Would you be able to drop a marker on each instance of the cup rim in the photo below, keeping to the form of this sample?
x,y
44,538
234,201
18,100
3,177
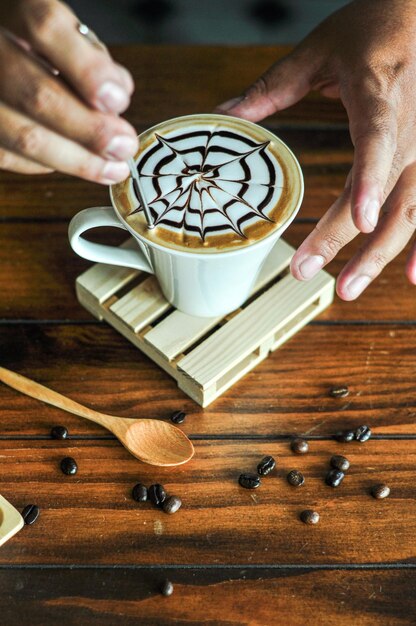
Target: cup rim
x,y
227,253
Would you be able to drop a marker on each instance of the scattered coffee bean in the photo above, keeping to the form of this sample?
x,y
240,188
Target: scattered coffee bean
x,y
69,466
363,433
178,417
339,391
172,504
156,494
139,492
299,446
340,462
59,432
166,588
30,513
295,478
249,481
309,517
266,465
380,491
345,436
334,478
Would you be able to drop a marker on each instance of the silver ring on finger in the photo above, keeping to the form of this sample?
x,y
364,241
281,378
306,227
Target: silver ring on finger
x,y
89,34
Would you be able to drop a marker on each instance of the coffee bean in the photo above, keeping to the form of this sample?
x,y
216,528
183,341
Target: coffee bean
x,y
334,478
299,446
69,466
380,491
339,462
59,432
178,417
363,433
249,481
309,517
345,436
139,493
339,391
166,589
30,513
156,494
295,478
172,504
266,465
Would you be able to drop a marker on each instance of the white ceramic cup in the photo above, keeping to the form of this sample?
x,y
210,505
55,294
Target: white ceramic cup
x,y
201,284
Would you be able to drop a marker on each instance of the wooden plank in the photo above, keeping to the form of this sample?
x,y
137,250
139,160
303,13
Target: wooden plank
x,y
10,521
219,521
141,305
245,332
208,75
44,271
178,331
115,597
286,394
102,283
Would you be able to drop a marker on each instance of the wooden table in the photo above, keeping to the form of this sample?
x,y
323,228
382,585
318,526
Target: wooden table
x,y
234,556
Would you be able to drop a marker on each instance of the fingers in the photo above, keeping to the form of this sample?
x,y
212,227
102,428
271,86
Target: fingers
x,y
336,229
24,137
411,265
30,89
394,231
332,233
51,29
373,127
14,163
283,84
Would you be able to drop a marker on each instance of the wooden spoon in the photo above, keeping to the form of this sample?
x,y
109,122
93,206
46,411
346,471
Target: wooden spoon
x,y
152,441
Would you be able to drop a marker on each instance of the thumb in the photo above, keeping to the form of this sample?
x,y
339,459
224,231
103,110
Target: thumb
x,y
283,84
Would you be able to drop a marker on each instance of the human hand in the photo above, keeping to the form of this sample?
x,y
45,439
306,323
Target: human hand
x,y
364,54
69,122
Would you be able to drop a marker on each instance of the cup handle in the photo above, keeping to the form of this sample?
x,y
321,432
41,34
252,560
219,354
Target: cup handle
x,y
103,216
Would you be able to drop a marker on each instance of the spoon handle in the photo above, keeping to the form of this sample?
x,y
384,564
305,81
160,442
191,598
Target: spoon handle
x,y
35,390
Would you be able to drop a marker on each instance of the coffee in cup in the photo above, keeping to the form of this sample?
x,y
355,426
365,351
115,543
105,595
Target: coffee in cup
x,y
212,183
220,190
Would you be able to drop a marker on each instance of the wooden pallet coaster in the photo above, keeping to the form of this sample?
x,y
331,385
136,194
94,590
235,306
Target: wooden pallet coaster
x,y
10,520
206,356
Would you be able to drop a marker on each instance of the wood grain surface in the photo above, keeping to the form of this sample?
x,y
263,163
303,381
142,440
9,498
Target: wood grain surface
x,y
241,596
235,556
287,394
180,80
219,521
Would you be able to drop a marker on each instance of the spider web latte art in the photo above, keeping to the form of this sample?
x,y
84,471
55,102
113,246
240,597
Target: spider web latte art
x,y
207,181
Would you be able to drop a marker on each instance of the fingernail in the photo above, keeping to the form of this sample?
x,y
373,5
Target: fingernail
x,y
357,285
121,147
230,104
371,212
114,172
311,266
112,97
127,77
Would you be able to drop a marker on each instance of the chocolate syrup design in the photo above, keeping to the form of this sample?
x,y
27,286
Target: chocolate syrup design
x,y
208,181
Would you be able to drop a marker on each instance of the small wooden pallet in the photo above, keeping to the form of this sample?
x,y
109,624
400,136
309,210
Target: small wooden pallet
x,y
206,355
10,520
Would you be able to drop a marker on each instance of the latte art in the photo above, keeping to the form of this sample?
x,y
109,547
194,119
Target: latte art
x,y
209,184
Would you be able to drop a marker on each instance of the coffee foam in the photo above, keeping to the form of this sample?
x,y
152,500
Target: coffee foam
x,y
212,182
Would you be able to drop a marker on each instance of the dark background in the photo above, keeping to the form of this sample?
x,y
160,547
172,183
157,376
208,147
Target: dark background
x,y
203,21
